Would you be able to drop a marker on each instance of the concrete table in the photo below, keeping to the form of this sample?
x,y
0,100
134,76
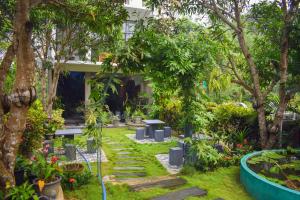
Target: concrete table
x,y
153,125
69,133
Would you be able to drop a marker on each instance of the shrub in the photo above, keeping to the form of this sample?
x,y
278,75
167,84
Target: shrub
x,y
171,113
233,121
55,122
74,180
35,130
202,155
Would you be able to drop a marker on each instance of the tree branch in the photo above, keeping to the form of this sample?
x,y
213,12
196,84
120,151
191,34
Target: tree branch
x,y
5,65
239,80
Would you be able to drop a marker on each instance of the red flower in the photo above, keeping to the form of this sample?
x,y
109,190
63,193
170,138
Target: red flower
x,y
239,146
72,180
54,159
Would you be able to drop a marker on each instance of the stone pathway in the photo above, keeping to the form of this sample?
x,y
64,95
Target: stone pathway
x,y
128,165
164,160
162,182
182,194
128,168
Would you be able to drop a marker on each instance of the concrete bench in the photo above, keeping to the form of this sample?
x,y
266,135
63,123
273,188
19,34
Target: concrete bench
x,y
69,133
176,156
140,133
159,135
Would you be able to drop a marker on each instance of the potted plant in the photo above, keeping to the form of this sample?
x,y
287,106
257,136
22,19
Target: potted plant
x,y
20,168
73,168
138,115
115,120
48,175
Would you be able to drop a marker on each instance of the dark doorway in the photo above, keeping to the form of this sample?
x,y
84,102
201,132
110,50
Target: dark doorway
x,y
127,93
70,90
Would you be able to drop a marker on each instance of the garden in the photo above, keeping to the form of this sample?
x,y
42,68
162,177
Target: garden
x,y
200,102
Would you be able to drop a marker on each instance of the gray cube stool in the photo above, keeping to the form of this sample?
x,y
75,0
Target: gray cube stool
x,y
91,145
167,131
70,151
159,135
176,156
140,133
50,144
147,130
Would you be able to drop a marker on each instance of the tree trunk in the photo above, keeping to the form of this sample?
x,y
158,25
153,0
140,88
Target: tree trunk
x,y
53,88
43,77
11,136
263,131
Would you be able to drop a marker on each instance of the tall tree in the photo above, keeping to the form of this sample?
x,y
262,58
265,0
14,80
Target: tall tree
x,y
232,14
101,19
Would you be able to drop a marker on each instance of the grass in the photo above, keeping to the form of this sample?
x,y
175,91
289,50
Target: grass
x,y
223,182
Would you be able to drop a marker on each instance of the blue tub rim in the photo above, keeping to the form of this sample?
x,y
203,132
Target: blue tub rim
x,y
245,167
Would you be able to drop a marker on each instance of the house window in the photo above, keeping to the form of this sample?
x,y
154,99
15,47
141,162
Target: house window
x,y
128,28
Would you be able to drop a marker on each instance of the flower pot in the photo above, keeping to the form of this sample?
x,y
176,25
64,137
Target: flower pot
x,y
52,190
19,177
138,120
115,122
73,168
49,136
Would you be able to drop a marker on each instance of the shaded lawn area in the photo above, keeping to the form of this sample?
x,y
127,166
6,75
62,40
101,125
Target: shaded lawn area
x,y
223,182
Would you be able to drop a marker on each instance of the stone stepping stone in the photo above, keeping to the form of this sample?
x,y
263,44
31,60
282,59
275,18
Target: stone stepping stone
x,y
113,143
169,183
128,157
122,149
219,199
182,194
129,162
129,168
129,174
124,153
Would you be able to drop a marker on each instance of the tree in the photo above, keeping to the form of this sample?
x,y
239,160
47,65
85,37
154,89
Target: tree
x,y
174,55
21,49
232,14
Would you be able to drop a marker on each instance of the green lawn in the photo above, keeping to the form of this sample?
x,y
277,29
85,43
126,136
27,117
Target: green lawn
x,y
223,182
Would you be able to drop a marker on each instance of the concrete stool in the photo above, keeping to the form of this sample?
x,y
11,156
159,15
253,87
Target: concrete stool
x,y
182,145
167,131
70,151
50,144
176,156
91,145
147,130
140,133
159,135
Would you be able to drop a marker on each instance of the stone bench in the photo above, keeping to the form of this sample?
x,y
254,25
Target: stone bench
x,y
176,156
140,133
70,152
167,131
159,135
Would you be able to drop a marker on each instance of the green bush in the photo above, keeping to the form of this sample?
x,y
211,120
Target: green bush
x,y
233,121
55,122
35,130
171,113
73,180
203,156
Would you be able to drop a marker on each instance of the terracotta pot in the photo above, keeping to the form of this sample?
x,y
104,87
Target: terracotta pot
x,y
73,167
52,190
138,120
